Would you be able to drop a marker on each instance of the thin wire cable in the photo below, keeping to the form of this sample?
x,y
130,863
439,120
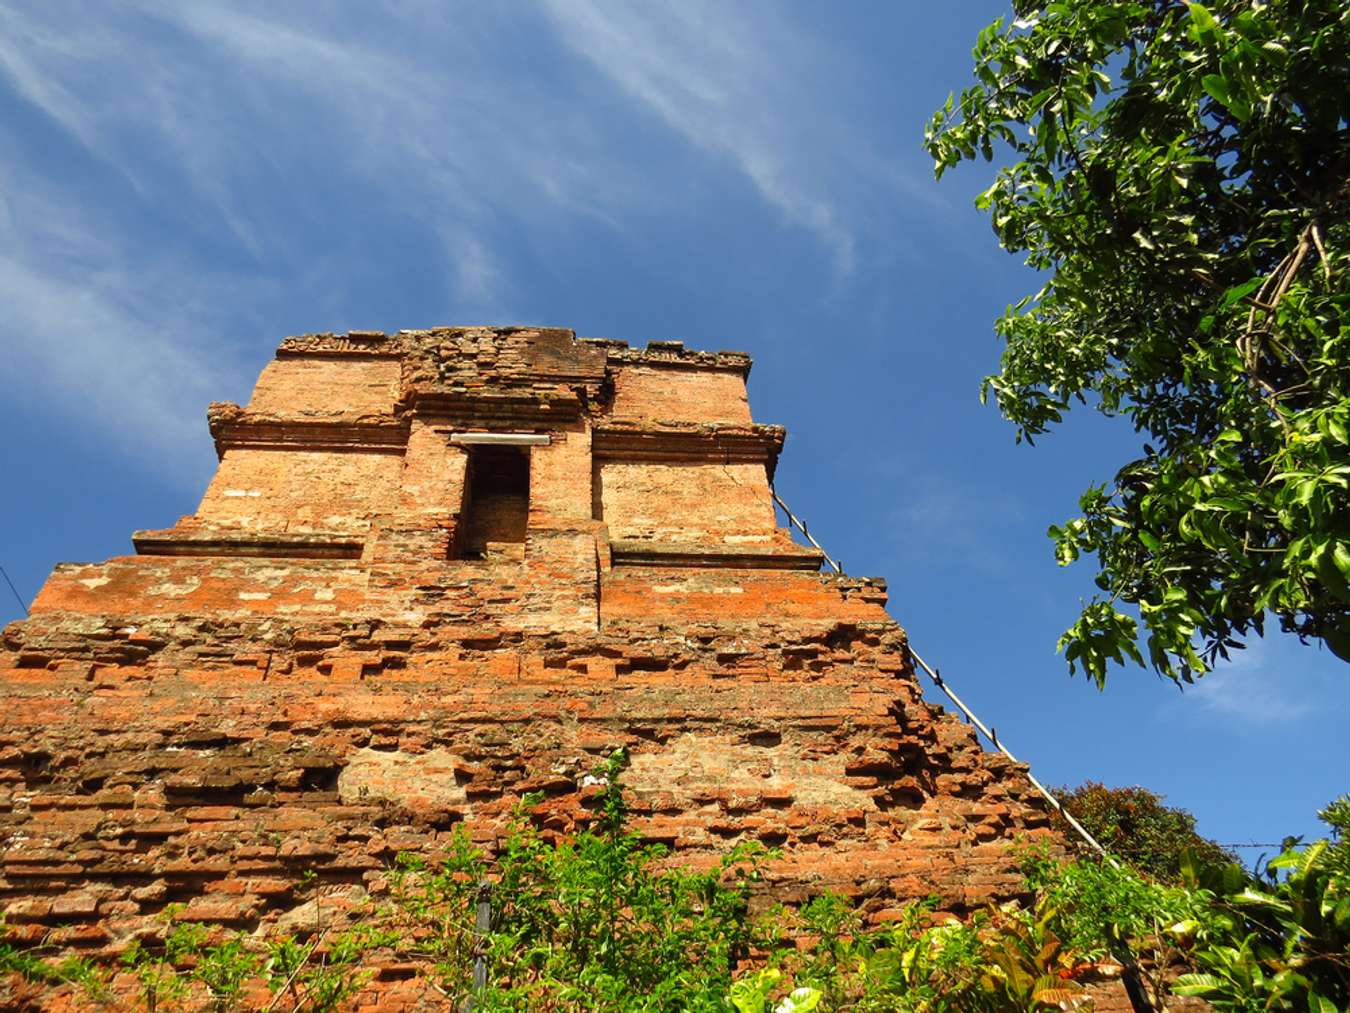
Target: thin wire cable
x,y
989,733
801,526
992,736
1252,845
14,590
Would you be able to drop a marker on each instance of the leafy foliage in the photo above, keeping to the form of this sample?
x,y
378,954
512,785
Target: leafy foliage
x,y
1284,944
1281,942
601,922
1000,958
1181,173
194,967
73,970
594,923
752,994
1102,909
1134,824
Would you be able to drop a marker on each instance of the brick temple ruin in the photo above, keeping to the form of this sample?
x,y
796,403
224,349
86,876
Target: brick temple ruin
x,y
437,570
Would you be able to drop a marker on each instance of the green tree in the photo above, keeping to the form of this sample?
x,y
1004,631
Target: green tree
x,y
1134,824
598,922
1279,944
1180,174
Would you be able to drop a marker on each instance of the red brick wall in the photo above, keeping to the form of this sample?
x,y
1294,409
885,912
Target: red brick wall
x,y
686,395
678,502
299,490
327,385
560,480
201,727
136,586
431,487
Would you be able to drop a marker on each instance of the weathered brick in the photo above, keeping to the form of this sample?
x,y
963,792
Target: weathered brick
x,y
306,674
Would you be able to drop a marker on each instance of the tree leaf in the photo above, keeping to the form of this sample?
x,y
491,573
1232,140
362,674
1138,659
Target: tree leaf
x,y
1216,86
1158,211
1202,18
1239,292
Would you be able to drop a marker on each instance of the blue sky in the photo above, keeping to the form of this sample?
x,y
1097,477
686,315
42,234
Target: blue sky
x,y
181,185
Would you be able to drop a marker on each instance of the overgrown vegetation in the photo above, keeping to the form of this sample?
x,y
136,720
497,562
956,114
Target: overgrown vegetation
x,y
1134,825
1178,172
601,922
591,923
1284,943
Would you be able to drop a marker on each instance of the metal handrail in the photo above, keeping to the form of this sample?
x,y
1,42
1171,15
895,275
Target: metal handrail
x,y
989,733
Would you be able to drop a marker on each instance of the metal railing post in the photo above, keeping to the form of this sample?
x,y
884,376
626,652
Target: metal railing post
x,y
482,926
989,733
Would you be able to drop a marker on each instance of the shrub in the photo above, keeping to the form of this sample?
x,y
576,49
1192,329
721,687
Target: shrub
x,y
593,923
602,922
1284,943
1134,824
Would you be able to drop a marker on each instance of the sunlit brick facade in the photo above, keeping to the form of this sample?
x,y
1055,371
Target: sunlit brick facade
x,y
437,570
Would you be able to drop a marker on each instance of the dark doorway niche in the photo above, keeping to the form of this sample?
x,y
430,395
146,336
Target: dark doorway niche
x,y
496,502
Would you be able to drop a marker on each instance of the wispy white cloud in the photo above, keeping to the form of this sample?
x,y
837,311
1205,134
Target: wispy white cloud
x,y
739,82
227,147
114,337
23,42
129,336
216,104
1259,686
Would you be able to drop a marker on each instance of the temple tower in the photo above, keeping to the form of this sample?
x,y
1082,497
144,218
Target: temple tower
x,y
437,570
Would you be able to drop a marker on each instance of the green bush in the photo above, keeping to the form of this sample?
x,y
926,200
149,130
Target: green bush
x,y
593,923
1134,824
1102,909
1282,944
603,922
